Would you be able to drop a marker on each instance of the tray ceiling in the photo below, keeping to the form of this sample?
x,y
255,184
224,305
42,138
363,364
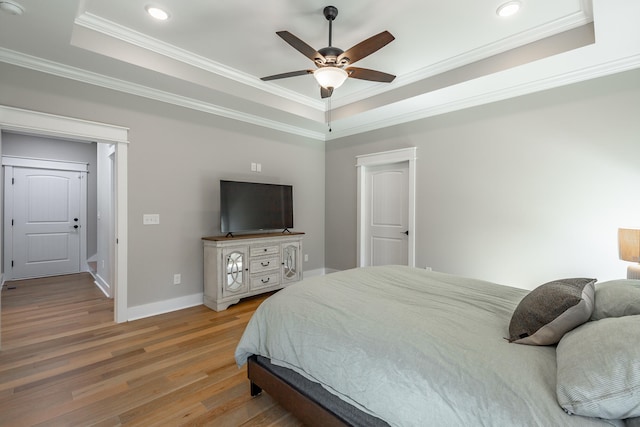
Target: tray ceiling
x,y
210,55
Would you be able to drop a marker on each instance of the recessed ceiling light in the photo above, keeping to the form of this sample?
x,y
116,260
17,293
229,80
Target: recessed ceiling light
x,y
157,13
509,8
11,8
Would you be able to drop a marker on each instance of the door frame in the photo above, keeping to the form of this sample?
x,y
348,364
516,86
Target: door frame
x,y
10,163
51,125
365,161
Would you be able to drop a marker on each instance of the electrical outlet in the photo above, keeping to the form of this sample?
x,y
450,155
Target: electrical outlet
x,y
177,278
306,257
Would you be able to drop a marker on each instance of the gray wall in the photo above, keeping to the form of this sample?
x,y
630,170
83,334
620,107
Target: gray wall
x,y
518,192
57,149
176,157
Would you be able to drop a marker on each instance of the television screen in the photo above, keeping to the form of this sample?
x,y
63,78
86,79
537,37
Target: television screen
x,y
252,206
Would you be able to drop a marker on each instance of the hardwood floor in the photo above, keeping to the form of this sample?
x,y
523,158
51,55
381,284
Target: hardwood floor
x,y
65,362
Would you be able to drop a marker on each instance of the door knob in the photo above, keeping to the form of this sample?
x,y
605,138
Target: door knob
x,y
406,232
75,219
76,226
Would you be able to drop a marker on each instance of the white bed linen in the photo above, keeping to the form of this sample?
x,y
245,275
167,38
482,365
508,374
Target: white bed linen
x,y
412,347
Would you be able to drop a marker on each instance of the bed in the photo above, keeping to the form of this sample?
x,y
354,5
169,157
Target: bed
x,y
402,346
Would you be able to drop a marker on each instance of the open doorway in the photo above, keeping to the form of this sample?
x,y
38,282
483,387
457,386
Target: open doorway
x,y
114,140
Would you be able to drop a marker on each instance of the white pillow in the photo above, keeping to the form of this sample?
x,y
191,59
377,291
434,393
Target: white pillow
x,y
599,369
616,298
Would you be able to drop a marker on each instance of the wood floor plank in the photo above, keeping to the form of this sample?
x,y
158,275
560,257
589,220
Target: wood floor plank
x,y
65,362
187,397
275,414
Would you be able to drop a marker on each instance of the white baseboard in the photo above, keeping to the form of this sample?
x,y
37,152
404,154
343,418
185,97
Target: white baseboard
x,y
166,306
318,272
101,284
311,273
161,307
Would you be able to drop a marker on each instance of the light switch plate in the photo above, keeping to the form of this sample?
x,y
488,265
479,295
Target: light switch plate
x,y
151,219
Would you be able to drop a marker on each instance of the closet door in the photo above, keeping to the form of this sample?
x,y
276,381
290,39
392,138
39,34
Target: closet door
x,y
386,214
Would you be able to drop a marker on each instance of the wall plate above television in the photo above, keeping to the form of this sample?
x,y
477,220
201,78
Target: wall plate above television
x,y
252,206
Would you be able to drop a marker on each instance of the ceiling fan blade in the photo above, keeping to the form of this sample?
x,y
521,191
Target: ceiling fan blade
x,y
366,48
301,46
285,75
325,92
372,75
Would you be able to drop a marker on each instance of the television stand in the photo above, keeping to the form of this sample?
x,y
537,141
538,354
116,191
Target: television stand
x,y
240,266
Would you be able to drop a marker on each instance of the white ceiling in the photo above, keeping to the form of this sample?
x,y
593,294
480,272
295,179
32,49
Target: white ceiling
x,y
210,55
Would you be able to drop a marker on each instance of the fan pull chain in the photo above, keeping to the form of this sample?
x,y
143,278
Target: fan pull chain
x,y
329,113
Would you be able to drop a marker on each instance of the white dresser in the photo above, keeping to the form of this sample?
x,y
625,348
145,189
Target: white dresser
x,y
245,265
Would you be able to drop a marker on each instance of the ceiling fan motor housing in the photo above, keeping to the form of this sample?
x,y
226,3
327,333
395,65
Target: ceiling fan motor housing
x,y
330,54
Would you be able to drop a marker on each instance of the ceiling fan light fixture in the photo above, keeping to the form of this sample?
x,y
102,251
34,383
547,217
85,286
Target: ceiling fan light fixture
x,y
330,77
157,13
509,8
11,8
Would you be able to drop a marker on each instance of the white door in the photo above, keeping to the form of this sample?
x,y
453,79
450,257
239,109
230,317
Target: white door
x,y
387,214
46,220
385,207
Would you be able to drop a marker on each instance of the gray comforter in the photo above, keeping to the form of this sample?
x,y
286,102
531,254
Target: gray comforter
x,y
412,347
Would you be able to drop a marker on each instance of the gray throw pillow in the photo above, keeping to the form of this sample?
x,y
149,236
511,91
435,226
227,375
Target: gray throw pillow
x,y
551,310
599,369
617,298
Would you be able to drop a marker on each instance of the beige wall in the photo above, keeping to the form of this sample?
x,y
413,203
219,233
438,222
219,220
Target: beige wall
x,y
518,192
176,157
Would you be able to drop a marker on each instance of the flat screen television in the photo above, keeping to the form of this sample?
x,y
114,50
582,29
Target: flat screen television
x,y
252,206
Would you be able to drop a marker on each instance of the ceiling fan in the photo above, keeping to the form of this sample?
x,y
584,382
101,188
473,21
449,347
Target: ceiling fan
x,y
333,64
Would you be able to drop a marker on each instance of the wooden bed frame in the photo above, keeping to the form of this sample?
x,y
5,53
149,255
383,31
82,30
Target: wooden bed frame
x,y
303,406
306,400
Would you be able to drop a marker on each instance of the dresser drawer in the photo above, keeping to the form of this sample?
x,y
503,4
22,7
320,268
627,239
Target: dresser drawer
x,y
264,280
264,264
264,250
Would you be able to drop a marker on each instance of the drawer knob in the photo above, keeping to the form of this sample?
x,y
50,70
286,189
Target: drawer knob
x,y
265,280
265,265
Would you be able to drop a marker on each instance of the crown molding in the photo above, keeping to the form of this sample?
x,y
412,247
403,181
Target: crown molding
x,y
566,23
77,74
127,35
617,65
60,70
